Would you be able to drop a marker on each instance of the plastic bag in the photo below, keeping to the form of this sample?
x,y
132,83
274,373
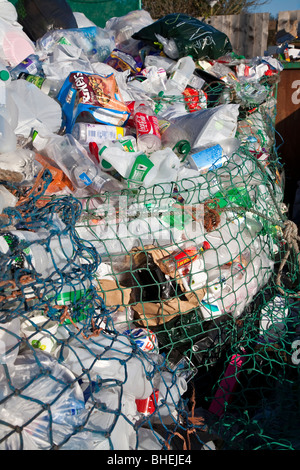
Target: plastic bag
x,y
38,17
123,27
15,45
95,95
93,41
35,109
182,35
209,125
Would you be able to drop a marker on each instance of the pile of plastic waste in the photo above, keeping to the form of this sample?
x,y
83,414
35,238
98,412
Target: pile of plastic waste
x,y
141,209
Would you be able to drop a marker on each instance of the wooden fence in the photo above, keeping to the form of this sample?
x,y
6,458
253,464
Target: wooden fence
x,y
249,33
289,21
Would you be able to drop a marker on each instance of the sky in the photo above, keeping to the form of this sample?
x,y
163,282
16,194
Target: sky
x,y
275,6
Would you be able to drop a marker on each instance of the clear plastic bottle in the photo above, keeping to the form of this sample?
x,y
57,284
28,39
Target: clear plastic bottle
x,y
31,65
44,262
49,86
176,138
180,76
85,132
147,128
74,161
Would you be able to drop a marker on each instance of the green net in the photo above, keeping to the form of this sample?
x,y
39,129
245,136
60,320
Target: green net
x,y
156,318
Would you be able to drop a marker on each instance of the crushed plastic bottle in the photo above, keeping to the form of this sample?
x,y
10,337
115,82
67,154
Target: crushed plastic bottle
x,y
32,65
147,128
75,162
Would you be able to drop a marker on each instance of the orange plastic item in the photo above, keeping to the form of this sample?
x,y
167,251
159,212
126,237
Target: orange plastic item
x,y
60,181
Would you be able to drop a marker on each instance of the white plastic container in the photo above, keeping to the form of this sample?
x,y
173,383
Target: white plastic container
x,y
147,128
160,61
166,167
132,166
179,78
197,277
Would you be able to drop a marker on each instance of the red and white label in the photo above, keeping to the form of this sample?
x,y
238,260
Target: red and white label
x,y
146,124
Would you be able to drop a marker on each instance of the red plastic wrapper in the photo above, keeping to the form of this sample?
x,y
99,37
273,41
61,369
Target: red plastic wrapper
x,y
195,99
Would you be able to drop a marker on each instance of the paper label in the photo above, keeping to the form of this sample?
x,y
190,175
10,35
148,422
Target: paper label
x,y
84,177
36,80
98,135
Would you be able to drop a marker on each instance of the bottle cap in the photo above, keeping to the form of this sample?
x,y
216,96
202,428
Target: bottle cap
x,y
102,150
183,147
4,75
106,165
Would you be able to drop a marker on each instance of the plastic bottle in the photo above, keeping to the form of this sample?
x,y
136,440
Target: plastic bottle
x,y
176,138
180,76
31,65
85,132
147,128
44,261
5,75
212,155
49,86
9,109
166,167
132,166
72,158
